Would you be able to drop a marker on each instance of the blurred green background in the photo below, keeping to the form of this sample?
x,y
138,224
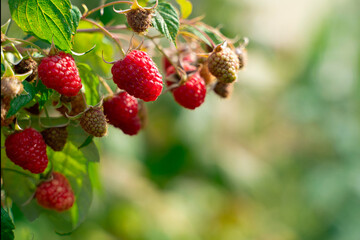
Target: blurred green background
x,y
279,160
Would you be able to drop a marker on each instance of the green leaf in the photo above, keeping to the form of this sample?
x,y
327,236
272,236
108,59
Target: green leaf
x,y
185,8
166,21
7,226
5,26
214,37
91,83
44,94
78,136
47,19
143,2
75,18
22,99
2,69
74,165
88,140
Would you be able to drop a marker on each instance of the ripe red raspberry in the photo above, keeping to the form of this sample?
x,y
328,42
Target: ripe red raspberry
x,y
60,73
192,94
93,121
120,107
138,75
55,194
28,150
55,137
131,127
121,111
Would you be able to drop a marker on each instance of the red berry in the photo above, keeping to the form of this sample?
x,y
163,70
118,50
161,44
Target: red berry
x,y
138,75
60,73
131,127
121,111
28,150
120,107
55,194
192,94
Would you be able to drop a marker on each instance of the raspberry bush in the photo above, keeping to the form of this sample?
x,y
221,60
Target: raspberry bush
x,y
67,79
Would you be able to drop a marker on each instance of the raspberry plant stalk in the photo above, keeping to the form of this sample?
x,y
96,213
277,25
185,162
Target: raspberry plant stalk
x,y
72,75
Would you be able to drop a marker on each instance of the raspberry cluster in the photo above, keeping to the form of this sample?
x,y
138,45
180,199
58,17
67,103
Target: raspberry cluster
x,y
190,75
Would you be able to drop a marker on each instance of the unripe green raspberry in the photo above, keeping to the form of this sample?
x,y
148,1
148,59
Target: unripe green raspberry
x,y
93,121
223,63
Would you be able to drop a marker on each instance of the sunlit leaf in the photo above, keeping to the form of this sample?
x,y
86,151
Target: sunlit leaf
x,y
166,21
48,20
185,8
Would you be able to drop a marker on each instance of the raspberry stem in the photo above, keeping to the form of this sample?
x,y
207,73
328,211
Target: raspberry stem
x,y
217,32
107,87
109,34
206,36
103,6
162,52
109,28
28,43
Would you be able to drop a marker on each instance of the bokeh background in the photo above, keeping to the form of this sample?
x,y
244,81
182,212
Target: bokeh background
x,y
279,160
